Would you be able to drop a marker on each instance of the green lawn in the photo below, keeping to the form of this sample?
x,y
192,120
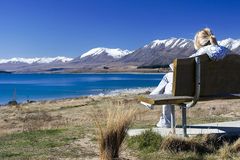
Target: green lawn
x,y
40,144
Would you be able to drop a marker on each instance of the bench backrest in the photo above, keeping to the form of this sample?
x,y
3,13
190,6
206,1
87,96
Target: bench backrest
x,y
217,77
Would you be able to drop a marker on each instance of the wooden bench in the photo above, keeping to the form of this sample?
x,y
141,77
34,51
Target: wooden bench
x,y
199,78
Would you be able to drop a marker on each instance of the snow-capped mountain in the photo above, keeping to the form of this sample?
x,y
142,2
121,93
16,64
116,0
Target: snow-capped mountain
x,y
101,56
115,53
36,60
160,52
170,43
155,54
231,44
26,65
163,52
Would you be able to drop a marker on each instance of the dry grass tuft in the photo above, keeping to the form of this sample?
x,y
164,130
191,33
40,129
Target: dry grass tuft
x,y
112,135
212,141
225,152
229,150
236,146
179,144
215,141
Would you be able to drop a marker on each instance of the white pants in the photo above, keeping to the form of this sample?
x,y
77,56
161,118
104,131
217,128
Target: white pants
x,y
165,87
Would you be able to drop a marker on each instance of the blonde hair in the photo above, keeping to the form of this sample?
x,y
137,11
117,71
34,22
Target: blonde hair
x,y
203,38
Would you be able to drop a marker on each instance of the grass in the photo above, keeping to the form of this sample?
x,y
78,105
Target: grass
x,y
180,144
69,107
150,145
162,155
39,143
236,146
65,129
149,141
207,119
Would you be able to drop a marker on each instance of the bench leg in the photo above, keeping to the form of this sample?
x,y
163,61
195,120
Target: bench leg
x,y
184,120
173,124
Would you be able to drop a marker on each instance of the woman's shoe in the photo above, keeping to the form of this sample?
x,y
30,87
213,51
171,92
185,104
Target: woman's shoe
x,y
163,124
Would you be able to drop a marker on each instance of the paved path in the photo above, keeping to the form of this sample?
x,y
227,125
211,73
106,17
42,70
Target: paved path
x,y
232,127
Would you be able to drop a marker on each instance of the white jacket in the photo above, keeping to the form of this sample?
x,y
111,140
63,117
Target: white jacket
x,y
214,52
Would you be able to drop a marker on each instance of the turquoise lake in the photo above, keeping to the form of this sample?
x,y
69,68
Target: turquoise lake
x,y
23,87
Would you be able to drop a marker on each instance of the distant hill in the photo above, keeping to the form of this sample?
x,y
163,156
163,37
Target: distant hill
x,y
31,64
5,72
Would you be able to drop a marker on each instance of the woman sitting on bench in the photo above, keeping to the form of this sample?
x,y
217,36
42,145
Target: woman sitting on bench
x,y
205,43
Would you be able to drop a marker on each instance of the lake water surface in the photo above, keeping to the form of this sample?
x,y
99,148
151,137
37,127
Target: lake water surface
x,y
23,87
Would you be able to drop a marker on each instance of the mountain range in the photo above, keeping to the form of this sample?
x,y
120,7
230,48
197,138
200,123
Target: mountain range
x,y
158,53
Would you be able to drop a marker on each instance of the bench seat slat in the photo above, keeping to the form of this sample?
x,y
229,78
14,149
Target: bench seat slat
x,y
170,99
165,99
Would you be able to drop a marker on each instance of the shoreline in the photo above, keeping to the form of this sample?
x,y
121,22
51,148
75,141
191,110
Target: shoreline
x,y
72,73
121,82
117,92
95,70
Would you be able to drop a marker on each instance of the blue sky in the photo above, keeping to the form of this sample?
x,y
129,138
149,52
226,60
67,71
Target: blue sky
x,y
43,28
